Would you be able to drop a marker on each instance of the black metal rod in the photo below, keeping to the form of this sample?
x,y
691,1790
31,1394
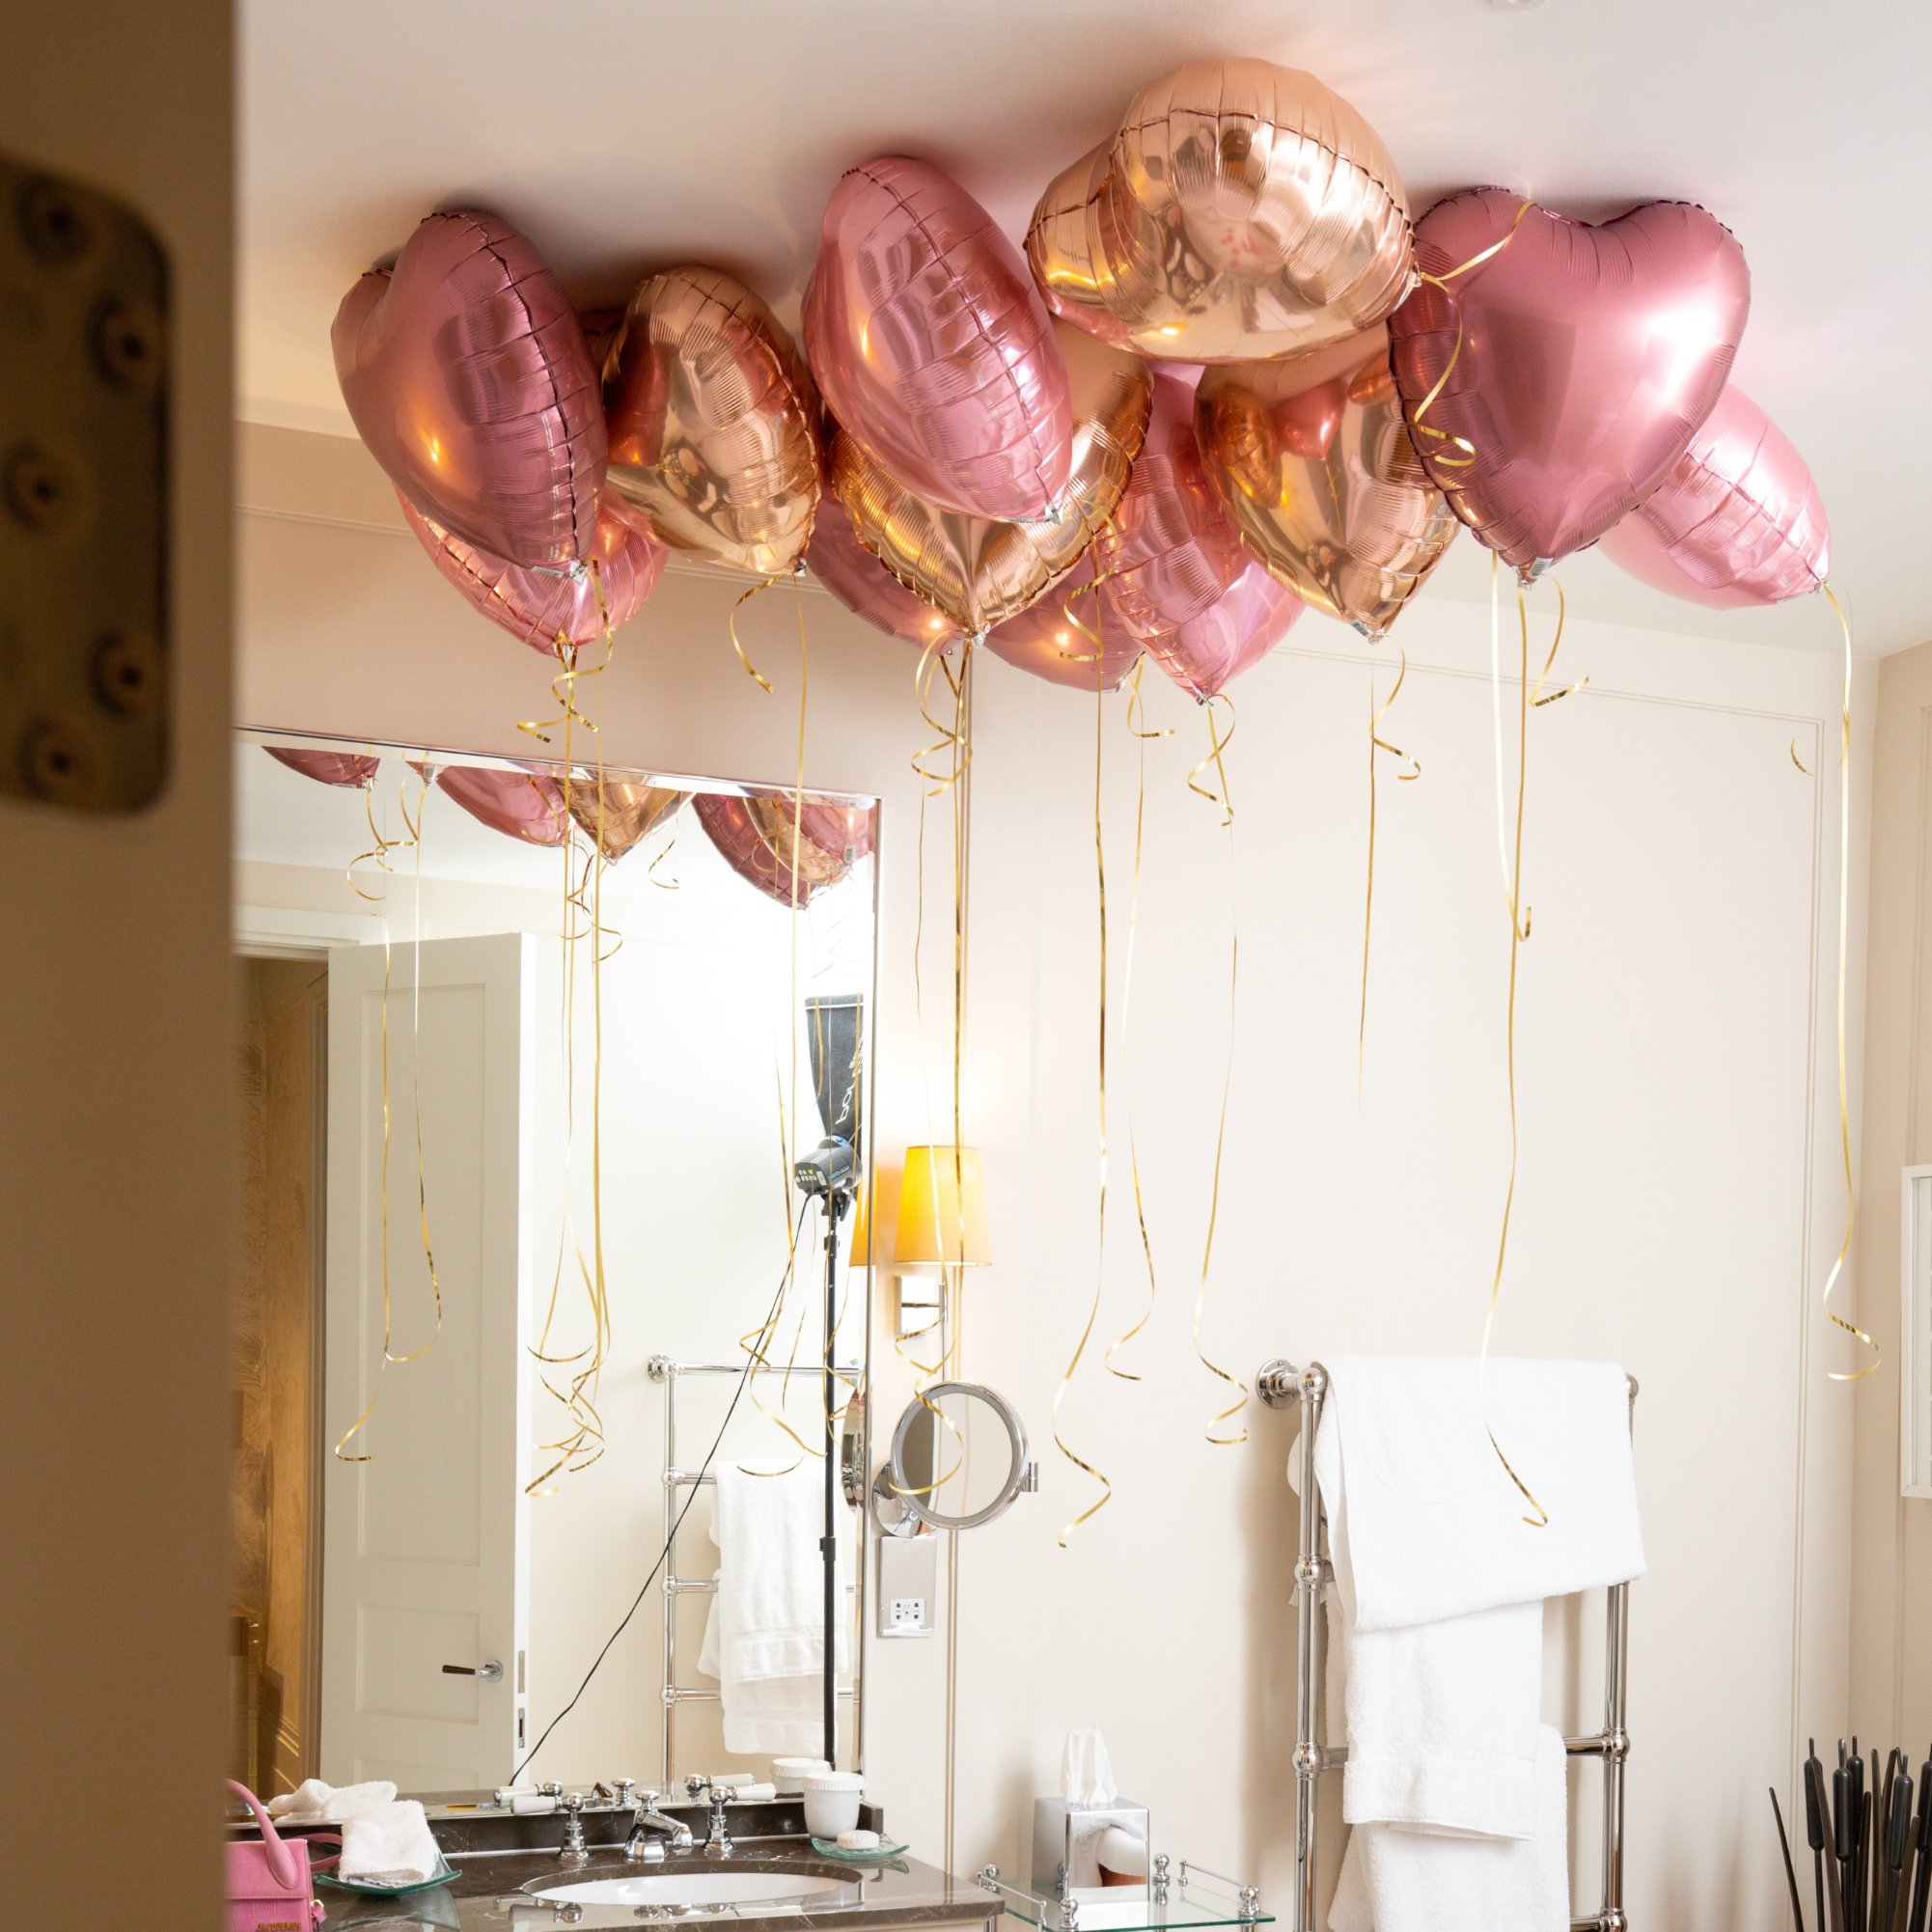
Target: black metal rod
x,y
834,1204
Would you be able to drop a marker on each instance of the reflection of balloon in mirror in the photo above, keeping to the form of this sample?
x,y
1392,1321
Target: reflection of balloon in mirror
x,y
524,805
713,422
756,837
465,372
345,768
1177,577
865,586
932,346
627,812
1312,461
1045,639
978,572
1738,520
1242,210
538,607
1570,370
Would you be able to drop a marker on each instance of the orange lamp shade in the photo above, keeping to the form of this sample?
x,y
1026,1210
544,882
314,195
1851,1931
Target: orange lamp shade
x,y
942,1210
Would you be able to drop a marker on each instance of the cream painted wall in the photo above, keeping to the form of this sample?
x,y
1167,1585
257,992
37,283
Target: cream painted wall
x,y
1891,1650
1679,1200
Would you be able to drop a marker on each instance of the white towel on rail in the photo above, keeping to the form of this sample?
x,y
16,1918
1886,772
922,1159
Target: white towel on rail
x,y
1397,1879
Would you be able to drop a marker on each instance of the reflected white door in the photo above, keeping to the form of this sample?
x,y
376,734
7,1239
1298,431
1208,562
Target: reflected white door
x,y
423,1556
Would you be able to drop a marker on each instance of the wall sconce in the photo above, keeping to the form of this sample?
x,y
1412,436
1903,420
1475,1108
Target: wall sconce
x,y
942,1226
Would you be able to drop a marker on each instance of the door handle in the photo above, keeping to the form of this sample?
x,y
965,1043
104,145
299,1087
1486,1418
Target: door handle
x,y
490,1672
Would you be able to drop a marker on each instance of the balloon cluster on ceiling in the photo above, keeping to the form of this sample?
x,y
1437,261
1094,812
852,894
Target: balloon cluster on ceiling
x,y
1228,378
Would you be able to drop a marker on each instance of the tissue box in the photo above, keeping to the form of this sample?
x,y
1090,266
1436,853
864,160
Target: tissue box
x,y
1067,1845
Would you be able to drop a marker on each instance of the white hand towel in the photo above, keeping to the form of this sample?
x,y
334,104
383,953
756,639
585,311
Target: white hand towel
x,y
1400,1880
765,1638
1435,1525
313,1803
393,1842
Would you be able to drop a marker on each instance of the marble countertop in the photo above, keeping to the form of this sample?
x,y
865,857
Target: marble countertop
x,y
489,1894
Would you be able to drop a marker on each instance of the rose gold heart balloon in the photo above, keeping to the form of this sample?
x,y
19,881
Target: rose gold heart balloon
x,y
753,835
978,573
525,805
1047,640
1241,211
343,769
865,586
1556,370
713,422
1312,463
1176,578
619,811
547,608
1738,520
465,372
932,346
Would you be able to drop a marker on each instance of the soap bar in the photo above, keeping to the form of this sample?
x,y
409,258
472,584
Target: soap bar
x,y
858,1841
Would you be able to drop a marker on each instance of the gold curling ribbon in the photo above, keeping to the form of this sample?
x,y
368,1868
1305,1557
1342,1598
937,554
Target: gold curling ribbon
x,y
1136,727
1378,743
1218,743
1418,422
1844,915
1519,931
751,671
1106,1495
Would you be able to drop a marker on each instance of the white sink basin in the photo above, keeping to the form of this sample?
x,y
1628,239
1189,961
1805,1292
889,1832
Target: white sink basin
x,y
692,1887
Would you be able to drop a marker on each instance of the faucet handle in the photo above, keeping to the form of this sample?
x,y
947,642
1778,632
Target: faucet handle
x,y
697,1785
623,1793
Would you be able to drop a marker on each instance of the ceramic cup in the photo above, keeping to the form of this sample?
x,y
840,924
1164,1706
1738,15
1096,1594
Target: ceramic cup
x,y
787,1774
832,1802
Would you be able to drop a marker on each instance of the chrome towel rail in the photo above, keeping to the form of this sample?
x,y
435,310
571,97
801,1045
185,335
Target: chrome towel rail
x,y
1280,1384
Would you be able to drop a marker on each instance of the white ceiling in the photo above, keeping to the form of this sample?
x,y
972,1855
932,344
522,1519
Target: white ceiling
x,y
623,134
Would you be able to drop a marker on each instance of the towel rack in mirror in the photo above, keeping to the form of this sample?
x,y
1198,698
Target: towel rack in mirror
x,y
1280,1384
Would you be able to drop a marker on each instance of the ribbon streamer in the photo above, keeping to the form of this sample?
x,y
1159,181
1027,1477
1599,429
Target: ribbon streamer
x,y
1418,422
1378,743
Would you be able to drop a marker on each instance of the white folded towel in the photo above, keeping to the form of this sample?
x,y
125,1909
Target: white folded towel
x,y
765,1636
313,1803
1434,1525
393,1843
1395,1879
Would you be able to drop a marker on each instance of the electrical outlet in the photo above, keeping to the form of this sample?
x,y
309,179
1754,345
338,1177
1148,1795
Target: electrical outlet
x,y
908,1586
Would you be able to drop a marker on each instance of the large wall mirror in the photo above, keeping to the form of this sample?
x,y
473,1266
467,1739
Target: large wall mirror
x,y
538,1066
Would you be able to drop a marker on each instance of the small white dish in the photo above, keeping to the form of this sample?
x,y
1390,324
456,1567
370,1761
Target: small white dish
x,y
832,1802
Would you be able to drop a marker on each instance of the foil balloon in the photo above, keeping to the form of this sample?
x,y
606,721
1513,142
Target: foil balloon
x,y
1312,463
932,346
618,812
550,609
1046,640
526,805
465,370
865,586
713,422
977,573
1737,521
1176,578
755,837
1241,211
343,769
1552,384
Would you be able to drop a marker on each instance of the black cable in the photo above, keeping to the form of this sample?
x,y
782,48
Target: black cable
x,y
703,1469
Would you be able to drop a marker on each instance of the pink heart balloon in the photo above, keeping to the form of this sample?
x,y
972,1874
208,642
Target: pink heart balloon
x,y
343,769
526,805
465,370
1175,575
1574,364
1044,639
1738,520
865,586
539,607
755,837
933,348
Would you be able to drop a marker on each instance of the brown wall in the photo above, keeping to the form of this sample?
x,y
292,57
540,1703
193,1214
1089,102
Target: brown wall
x,y
115,1055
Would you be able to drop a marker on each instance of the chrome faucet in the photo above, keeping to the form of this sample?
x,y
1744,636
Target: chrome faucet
x,y
574,1855
642,1847
718,1844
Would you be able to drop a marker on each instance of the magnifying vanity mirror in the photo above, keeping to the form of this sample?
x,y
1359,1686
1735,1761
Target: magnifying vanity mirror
x,y
958,1459
552,1080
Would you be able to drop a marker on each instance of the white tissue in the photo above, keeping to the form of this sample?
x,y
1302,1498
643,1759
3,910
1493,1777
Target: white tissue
x,y
1085,1775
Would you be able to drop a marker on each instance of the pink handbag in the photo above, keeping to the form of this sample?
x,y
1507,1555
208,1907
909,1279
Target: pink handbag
x,y
269,1888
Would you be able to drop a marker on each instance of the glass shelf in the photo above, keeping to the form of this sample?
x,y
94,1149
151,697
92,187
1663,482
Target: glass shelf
x,y
1177,1907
